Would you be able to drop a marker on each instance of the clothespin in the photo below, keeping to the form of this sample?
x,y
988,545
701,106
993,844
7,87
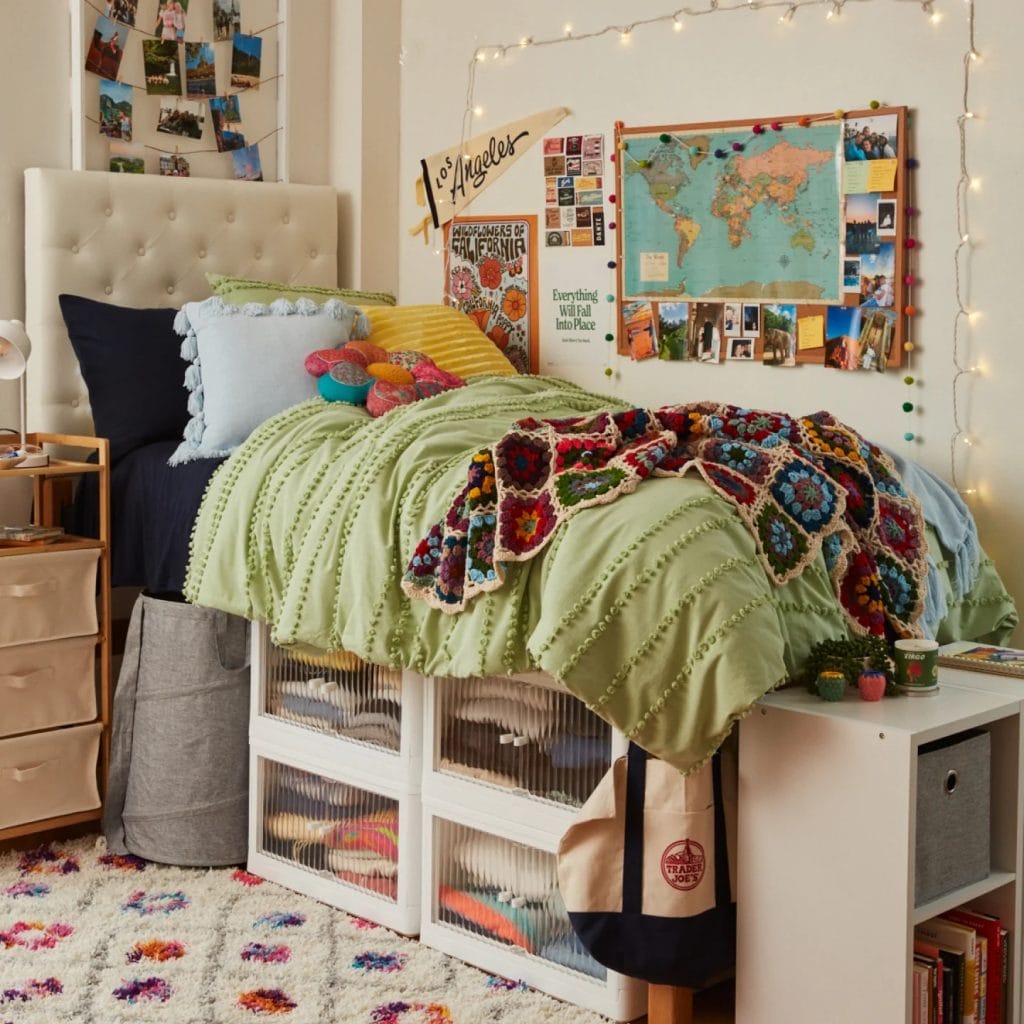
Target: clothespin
x,y
428,221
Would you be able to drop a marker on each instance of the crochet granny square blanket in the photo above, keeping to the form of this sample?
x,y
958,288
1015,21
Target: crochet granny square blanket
x,y
801,486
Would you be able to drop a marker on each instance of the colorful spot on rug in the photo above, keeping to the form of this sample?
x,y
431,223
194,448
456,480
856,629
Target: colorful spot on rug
x,y
506,984
33,935
30,889
31,990
155,949
370,961
266,1001
144,990
243,877
261,954
362,924
392,1013
157,903
280,919
47,861
122,862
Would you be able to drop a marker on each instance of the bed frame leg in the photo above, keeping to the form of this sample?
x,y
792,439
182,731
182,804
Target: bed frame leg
x,y
669,1004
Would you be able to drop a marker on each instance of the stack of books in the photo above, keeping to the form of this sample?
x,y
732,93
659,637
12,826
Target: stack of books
x,y
975,657
961,969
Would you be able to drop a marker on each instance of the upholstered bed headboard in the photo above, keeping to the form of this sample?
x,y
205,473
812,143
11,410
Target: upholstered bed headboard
x,y
144,241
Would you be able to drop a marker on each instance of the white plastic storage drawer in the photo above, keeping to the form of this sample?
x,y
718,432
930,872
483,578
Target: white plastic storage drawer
x,y
47,596
46,685
343,843
494,902
48,774
534,739
337,695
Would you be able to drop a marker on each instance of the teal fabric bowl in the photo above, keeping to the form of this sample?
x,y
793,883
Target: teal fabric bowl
x,y
345,382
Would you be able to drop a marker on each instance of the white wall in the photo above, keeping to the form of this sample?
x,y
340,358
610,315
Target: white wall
x,y
746,64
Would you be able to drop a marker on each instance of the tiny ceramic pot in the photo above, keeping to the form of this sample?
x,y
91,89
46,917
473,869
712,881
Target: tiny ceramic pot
x,y
831,685
871,685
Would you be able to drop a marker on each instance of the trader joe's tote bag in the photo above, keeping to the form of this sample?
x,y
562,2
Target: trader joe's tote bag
x,y
645,870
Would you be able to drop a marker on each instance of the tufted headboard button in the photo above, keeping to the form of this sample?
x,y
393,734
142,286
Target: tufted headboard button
x,y
107,212
108,290
142,250
171,215
231,218
74,403
258,254
170,289
313,254
74,249
202,254
286,219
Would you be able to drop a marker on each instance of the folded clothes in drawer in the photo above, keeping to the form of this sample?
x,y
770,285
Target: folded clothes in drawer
x,y
47,774
330,827
48,595
527,737
505,892
46,685
338,695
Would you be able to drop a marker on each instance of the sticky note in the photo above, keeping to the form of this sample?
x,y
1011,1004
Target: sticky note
x,y
855,177
881,175
810,332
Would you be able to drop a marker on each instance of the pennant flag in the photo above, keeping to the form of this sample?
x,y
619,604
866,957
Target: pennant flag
x,y
455,177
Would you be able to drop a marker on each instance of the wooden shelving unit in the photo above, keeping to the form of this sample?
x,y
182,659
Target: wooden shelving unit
x,y
50,493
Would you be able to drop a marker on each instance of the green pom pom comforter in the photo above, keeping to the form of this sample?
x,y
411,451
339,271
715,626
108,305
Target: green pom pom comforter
x,y
656,609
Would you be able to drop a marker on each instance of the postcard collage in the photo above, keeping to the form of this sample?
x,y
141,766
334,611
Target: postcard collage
x,y
862,331
574,190
184,75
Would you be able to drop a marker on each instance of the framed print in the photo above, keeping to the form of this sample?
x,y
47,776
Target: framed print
x,y
490,274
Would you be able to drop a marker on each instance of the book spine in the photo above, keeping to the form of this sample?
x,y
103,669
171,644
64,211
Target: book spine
x,y
1004,1004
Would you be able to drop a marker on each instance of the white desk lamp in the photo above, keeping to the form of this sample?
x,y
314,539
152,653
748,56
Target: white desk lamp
x,y
15,349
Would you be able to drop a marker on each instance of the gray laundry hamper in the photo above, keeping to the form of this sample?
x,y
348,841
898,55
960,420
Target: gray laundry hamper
x,y
178,784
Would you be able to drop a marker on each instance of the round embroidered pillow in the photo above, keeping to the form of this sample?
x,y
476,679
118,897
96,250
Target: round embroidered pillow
x,y
345,382
385,396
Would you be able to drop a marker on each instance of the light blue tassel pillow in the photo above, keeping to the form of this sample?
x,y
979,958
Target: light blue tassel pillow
x,y
246,364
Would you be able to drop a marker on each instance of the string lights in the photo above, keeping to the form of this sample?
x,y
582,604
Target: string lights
x,y
675,20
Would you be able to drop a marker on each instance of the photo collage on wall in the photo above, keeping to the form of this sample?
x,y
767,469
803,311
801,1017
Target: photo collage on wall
x,y
574,190
709,332
185,73
782,246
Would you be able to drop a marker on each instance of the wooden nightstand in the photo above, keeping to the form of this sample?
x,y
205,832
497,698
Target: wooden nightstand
x,y
55,685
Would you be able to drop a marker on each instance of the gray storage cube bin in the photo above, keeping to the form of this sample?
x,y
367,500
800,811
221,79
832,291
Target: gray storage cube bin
x,y
178,788
953,808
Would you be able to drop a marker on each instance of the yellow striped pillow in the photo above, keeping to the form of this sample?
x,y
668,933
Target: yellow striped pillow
x,y
444,333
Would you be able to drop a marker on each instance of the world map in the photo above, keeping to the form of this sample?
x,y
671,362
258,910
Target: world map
x,y
759,223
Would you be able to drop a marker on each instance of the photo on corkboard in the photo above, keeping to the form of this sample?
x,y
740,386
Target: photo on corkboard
x,y
779,329
707,322
673,325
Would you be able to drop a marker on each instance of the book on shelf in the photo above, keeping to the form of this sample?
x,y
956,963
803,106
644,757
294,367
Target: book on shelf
x,y
929,954
965,654
30,534
988,927
961,941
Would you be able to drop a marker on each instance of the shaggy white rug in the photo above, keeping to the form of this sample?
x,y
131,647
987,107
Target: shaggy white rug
x,y
91,938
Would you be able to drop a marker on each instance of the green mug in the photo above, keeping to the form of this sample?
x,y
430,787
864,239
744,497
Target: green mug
x,y
917,666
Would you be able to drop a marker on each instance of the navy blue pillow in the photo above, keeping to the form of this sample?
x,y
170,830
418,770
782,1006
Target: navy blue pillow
x,y
132,368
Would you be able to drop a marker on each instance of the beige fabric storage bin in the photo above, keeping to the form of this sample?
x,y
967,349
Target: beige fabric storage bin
x,y
48,773
46,685
47,596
